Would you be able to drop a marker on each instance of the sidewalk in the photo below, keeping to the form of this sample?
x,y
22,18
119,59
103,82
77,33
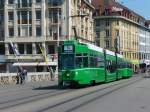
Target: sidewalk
x,y
29,85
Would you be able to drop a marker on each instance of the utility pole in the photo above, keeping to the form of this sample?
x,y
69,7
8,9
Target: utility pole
x,y
74,27
116,45
58,37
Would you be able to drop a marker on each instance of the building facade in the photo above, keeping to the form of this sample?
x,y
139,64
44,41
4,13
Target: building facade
x,y
116,26
39,26
78,14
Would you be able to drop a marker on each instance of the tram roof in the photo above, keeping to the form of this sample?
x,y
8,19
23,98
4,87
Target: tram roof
x,y
94,47
120,56
110,52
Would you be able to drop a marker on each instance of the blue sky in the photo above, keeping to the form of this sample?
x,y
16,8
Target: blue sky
x,y
141,7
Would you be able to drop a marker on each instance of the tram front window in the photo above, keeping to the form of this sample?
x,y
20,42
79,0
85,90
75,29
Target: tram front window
x,y
66,61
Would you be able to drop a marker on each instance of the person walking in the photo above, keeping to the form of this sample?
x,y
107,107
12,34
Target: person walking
x,y
19,75
51,71
24,75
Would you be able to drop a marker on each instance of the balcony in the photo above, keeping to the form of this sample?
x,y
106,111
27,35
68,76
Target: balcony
x,y
24,5
29,57
23,57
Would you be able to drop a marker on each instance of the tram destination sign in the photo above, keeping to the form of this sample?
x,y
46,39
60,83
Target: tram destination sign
x,y
68,49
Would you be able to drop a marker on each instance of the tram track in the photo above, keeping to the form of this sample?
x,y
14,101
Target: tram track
x,y
31,98
60,105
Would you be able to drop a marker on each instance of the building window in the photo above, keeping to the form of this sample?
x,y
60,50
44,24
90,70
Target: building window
x,y
29,48
38,49
54,2
24,17
30,17
30,31
51,49
107,44
50,31
21,48
24,3
11,15
38,1
24,31
97,22
38,15
11,32
1,17
19,31
38,31
107,23
10,1
1,34
97,34
10,49
2,49
107,33
117,33
2,2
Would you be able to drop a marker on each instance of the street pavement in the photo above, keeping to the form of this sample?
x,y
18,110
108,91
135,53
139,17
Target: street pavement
x,y
133,98
128,95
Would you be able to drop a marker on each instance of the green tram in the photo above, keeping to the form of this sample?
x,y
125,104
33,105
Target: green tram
x,y
82,63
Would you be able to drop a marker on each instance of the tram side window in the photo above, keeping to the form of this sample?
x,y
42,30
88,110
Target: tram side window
x,y
120,64
79,62
111,66
85,61
93,62
100,64
114,66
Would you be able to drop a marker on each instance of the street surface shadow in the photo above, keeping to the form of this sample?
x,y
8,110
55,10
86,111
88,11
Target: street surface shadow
x,y
52,87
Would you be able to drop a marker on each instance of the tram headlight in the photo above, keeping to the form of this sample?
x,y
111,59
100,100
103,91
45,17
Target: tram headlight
x,y
67,75
76,73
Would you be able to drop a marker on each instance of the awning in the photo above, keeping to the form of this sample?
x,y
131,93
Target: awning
x,y
35,64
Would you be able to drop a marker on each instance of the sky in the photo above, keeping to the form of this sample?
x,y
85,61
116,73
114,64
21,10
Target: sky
x,y
141,7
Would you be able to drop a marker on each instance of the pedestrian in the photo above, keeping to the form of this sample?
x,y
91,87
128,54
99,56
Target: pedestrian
x,y
24,75
51,71
19,75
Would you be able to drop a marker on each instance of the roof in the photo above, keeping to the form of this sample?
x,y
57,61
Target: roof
x,y
126,8
119,55
110,52
94,47
107,3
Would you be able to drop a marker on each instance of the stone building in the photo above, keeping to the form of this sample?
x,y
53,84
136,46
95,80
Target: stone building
x,y
120,27
32,25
